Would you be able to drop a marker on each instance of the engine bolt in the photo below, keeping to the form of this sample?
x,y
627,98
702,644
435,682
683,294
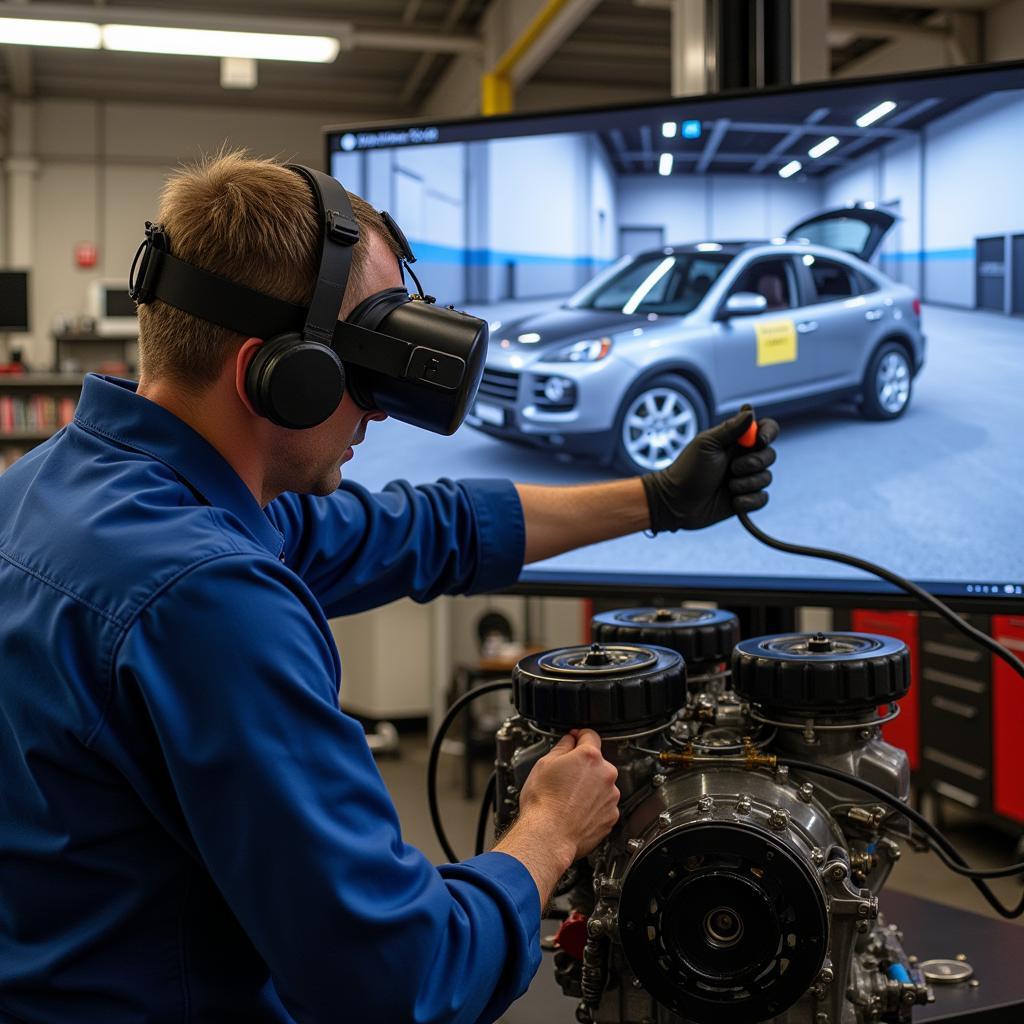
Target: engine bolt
x,y
664,818
821,1018
637,983
743,804
962,957
781,772
634,844
595,927
908,998
818,856
705,804
864,734
779,819
826,975
658,780
974,983
837,872
806,791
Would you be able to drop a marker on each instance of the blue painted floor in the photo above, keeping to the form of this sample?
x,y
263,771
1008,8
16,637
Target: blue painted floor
x,y
935,495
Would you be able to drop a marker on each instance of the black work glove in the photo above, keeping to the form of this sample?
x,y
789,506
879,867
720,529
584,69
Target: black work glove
x,y
713,477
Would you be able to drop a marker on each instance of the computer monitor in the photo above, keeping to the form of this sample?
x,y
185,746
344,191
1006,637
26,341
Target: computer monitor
x,y
14,301
112,309
846,256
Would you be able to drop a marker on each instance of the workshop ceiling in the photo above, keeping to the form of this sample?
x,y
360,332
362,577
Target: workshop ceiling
x,y
625,42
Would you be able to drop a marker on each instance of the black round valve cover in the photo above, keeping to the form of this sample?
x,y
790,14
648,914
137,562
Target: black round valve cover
x,y
705,637
821,672
607,687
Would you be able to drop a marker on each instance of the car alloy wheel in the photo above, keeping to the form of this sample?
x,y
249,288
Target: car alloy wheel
x,y
658,424
892,382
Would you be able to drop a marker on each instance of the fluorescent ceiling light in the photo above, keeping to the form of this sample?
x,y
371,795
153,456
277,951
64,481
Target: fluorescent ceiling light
x,y
876,114
665,163
790,169
79,35
823,147
669,129
195,42
648,283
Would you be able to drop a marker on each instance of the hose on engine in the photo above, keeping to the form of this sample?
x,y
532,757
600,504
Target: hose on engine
x,y
947,852
911,588
435,756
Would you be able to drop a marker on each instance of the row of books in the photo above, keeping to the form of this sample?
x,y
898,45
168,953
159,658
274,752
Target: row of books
x,y
34,412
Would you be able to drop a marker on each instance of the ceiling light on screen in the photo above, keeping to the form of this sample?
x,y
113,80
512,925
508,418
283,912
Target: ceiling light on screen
x,y
208,43
669,129
876,114
823,147
691,129
790,169
665,162
78,35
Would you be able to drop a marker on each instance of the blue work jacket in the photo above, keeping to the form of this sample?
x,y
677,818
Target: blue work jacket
x,y
190,828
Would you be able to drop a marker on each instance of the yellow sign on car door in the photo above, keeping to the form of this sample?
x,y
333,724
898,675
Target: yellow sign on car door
x,y
776,342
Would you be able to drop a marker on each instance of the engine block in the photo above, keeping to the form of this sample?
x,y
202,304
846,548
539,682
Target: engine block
x,y
732,890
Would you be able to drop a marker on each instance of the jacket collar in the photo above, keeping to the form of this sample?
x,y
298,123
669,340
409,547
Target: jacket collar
x,y
110,408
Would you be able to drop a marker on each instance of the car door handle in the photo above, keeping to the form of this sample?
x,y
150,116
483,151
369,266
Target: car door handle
x,y
806,326
874,314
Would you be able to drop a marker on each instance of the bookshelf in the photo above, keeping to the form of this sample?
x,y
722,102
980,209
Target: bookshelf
x,y
32,407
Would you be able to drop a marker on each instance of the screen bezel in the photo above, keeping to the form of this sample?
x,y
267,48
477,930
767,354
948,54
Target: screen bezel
x,y
788,596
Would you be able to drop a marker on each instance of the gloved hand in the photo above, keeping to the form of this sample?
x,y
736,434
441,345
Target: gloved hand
x,y
713,477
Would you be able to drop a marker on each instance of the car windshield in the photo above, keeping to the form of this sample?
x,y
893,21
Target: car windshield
x,y
668,283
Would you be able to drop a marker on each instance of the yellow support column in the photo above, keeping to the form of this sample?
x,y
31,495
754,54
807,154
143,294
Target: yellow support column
x,y
495,94
496,85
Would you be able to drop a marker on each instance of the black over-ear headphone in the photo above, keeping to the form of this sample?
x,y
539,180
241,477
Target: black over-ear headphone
x,y
398,353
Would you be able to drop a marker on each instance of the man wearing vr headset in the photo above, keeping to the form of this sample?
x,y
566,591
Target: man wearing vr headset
x,y
191,829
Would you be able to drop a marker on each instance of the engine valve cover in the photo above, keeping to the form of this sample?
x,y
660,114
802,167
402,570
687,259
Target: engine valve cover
x,y
613,688
821,673
705,637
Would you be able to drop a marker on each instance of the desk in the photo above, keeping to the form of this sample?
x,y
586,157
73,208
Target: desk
x,y
930,930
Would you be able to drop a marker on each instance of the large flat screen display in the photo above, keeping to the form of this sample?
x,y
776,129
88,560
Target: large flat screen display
x,y
849,258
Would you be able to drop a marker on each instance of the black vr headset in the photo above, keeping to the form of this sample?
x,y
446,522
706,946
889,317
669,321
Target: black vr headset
x,y
396,352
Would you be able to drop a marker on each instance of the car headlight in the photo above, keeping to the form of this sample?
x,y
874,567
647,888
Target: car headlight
x,y
587,351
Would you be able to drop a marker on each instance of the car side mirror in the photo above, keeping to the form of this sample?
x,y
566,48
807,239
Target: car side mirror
x,y
744,304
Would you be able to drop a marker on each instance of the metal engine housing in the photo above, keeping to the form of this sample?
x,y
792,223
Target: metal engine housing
x,y
732,890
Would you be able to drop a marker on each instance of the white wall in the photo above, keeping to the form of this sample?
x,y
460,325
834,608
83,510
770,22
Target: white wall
x,y
543,203
714,206
970,191
100,170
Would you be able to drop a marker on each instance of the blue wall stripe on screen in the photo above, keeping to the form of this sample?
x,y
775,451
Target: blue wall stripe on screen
x,y
931,254
431,252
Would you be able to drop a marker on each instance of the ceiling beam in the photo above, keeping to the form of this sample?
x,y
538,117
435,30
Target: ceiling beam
x,y
791,138
543,47
715,137
426,60
881,28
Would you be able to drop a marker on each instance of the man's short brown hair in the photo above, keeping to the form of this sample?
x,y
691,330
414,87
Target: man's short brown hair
x,y
250,220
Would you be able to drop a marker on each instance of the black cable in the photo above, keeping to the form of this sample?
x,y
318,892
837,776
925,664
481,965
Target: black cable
x,y
435,754
959,865
485,813
890,577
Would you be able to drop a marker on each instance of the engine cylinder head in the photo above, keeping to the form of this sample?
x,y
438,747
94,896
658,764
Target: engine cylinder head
x,y
821,673
705,637
613,688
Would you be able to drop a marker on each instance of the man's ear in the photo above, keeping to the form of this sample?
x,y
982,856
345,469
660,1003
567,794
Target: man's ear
x,y
243,359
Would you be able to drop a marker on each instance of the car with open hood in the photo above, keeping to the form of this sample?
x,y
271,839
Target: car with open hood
x,y
665,342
